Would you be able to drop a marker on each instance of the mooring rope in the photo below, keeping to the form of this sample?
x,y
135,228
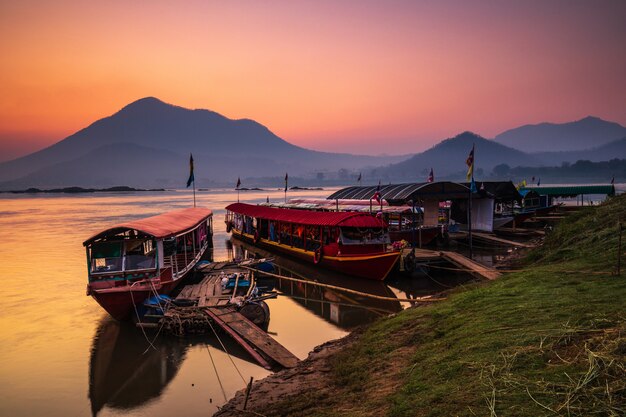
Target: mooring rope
x,y
216,373
426,299
225,350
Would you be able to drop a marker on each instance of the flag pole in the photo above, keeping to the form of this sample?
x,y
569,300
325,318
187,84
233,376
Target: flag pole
x,y
194,192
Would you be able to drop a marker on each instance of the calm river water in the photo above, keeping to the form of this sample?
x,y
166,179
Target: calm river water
x,y
61,355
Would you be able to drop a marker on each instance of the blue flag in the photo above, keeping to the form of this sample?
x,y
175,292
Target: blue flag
x,y
191,178
473,186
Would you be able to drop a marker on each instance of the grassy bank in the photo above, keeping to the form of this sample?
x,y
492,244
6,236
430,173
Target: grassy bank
x,y
547,340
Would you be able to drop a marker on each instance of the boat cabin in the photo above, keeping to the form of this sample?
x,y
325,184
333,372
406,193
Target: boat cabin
x,y
141,248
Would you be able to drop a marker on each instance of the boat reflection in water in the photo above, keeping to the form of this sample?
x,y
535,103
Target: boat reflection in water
x,y
126,372
342,308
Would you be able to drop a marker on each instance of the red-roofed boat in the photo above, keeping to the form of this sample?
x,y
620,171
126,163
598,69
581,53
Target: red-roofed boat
x,y
349,242
131,261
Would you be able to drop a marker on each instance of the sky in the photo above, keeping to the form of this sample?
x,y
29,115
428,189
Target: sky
x,y
368,77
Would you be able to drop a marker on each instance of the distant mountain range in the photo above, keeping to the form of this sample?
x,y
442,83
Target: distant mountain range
x,y
574,136
148,142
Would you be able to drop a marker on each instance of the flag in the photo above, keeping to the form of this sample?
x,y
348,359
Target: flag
x,y
482,186
191,178
473,186
286,181
470,164
238,183
613,180
376,195
431,176
521,184
359,179
539,182
532,179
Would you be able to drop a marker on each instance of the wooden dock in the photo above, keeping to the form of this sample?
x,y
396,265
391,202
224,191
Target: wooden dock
x,y
471,266
492,239
462,262
207,305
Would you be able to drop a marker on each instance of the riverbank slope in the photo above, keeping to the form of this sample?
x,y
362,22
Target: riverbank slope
x,y
547,339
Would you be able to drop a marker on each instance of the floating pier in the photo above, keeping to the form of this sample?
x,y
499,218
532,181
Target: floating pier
x,y
226,299
425,256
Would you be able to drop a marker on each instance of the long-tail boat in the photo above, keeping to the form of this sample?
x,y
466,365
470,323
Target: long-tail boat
x,y
131,261
352,243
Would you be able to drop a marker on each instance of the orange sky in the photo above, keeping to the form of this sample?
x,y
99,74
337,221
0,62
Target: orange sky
x,y
358,76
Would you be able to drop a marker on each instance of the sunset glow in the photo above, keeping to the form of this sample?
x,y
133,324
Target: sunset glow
x,y
336,76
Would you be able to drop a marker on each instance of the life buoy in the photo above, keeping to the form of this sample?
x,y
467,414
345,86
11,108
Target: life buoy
x,y
229,226
317,256
256,236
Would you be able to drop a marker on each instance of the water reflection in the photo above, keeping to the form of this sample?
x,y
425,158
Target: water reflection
x,y
125,371
128,369
342,308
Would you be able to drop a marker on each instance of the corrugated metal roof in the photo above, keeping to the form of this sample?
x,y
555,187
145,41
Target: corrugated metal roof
x,y
501,190
161,226
402,193
572,190
312,218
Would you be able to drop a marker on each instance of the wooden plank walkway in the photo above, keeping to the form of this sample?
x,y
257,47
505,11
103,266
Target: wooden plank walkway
x,y
498,240
214,302
229,319
473,267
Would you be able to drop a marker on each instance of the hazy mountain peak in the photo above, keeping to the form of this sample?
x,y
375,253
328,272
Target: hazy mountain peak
x,y
586,133
146,105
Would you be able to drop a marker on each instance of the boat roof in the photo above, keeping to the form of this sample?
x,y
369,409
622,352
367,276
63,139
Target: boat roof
x,y
365,206
161,226
311,218
573,190
403,193
500,190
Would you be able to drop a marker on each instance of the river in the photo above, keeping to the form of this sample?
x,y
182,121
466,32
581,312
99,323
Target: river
x,y
61,355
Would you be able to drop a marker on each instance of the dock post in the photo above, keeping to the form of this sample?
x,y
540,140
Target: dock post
x,y
619,249
245,401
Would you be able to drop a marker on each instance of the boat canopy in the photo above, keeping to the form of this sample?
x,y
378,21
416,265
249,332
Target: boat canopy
x,y
161,226
498,190
404,193
311,218
572,190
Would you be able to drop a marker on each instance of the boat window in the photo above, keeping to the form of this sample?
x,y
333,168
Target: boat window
x,y
106,256
358,236
140,254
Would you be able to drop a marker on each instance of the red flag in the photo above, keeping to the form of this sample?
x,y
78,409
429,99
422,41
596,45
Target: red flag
x,y
470,164
376,195
431,176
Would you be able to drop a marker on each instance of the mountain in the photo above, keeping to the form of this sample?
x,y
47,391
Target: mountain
x,y
448,159
149,141
550,137
615,149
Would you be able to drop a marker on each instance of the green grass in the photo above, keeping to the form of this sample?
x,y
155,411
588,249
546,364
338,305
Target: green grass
x,y
548,340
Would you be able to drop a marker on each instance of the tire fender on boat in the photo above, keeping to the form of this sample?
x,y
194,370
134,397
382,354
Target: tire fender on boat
x,y
317,256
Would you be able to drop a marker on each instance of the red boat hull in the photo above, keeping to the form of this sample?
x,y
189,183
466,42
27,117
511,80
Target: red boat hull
x,y
375,266
121,301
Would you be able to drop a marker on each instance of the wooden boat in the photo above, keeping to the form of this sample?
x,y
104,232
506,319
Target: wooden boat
x,y
349,242
131,261
402,222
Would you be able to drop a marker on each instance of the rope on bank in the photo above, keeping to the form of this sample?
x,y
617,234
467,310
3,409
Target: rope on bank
x,y
427,299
